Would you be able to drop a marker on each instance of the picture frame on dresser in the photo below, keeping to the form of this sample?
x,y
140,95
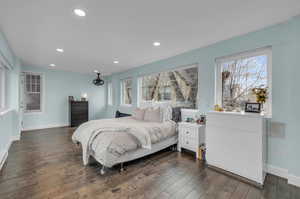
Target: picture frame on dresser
x,y
252,107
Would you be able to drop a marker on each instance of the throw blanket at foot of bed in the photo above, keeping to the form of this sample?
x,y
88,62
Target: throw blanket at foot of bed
x,y
114,137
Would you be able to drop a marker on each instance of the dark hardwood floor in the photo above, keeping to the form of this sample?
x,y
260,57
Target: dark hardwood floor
x,y
46,164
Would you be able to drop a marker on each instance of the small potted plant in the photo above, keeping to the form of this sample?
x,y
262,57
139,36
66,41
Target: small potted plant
x,y
261,95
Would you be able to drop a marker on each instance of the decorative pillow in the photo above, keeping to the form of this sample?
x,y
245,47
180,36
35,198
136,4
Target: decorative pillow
x,y
152,115
138,114
165,110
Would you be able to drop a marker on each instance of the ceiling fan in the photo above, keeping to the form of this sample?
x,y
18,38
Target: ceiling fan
x,y
98,81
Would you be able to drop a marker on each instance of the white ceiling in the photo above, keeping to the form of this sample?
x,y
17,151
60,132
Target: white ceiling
x,y
125,30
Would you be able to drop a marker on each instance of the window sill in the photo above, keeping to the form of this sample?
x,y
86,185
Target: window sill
x,y
33,113
4,111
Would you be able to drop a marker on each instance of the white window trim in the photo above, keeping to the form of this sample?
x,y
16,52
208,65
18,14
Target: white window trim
x,y
109,94
122,103
257,52
140,78
3,90
42,93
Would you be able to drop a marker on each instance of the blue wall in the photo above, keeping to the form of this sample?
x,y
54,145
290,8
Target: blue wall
x,y
285,41
58,85
293,127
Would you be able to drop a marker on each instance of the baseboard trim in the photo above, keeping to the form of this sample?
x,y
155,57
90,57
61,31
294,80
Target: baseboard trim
x,y
284,173
294,180
3,157
4,154
15,138
45,127
277,171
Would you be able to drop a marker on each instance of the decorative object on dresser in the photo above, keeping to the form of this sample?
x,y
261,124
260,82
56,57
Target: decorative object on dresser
x,y
84,97
79,112
71,98
252,107
236,143
201,119
261,96
191,137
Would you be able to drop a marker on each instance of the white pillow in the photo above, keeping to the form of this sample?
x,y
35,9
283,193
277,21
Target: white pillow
x,y
166,110
152,115
138,114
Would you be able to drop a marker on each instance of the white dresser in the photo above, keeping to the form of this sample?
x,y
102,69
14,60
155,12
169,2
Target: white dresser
x,y
191,136
236,142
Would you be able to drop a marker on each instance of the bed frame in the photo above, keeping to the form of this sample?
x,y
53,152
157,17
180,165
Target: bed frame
x,y
141,152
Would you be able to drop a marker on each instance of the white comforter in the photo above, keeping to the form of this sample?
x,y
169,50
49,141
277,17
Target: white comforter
x,y
119,135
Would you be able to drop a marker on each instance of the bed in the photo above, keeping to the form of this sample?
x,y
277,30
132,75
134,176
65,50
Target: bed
x,y
119,140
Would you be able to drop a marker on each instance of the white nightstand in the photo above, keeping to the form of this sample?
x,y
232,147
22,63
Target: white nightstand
x,y
191,136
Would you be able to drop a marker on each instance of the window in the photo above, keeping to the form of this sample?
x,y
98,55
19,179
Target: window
x,y
126,91
238,75
109,93
2,88
179,87
33,92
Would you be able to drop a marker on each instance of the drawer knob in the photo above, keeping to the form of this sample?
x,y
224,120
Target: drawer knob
x,y
187,142
187,132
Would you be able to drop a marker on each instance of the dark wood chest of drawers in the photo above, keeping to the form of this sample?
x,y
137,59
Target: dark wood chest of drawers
x,y
79,112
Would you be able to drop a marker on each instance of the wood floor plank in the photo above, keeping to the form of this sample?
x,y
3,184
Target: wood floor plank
x,y
46,164
241,191
254,193
282,186
270,189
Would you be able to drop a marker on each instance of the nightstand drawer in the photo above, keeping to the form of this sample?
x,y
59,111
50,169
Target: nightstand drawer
x,y
189,132
189,143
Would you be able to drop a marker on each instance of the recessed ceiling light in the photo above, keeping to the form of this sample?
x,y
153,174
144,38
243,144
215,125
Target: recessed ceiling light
x,y
52,65
79,12
60,50
116,62
156,43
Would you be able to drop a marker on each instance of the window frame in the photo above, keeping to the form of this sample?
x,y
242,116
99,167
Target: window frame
x,y
122,100
140,101
3,91
42,93
244,55
109,94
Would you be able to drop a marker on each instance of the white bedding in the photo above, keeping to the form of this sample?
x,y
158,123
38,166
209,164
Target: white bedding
x,y
114,137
